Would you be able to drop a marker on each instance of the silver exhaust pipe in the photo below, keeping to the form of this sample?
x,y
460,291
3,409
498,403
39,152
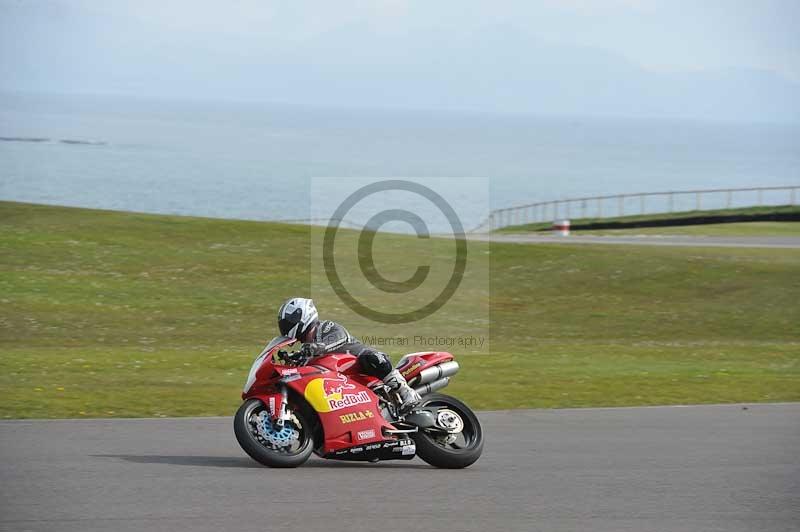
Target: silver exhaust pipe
x,y
433,386
445,369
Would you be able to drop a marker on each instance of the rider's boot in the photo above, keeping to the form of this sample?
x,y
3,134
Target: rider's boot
x,y
409,397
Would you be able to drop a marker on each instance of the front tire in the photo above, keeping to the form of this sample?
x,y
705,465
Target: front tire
x,y
437,449
275,448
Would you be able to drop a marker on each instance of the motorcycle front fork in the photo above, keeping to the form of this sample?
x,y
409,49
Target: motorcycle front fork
x,y
283,411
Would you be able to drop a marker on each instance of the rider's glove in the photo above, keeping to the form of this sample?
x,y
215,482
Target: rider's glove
x,y
304,354
310,350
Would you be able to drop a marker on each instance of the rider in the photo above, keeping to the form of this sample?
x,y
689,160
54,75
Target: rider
x,y
298,318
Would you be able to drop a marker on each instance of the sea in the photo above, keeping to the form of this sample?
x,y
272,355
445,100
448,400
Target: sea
x,y
260,161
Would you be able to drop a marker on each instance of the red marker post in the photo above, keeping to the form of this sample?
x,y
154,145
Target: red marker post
x,y
561,227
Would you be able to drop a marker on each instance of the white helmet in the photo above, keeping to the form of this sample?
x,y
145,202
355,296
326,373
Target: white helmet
x,y
296,317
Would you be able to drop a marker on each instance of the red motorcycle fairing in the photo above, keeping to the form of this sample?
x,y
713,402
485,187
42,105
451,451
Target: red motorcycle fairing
x,y
411,365
338,362
348,410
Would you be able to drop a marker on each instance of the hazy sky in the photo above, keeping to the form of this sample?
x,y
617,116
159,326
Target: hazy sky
x,y
668,57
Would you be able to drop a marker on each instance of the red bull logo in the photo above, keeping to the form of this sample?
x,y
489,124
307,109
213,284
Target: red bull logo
x,y
327,394
333,388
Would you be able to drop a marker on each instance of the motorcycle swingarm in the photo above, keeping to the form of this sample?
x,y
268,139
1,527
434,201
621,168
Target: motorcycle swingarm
x,y
424,418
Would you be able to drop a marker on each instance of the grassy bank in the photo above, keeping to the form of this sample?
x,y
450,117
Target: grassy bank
x,y
756,221
119,314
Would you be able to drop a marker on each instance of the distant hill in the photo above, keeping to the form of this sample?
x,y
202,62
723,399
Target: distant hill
x,y
492,68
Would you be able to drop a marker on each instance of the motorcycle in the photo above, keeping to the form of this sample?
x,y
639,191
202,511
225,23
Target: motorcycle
x,y
293,407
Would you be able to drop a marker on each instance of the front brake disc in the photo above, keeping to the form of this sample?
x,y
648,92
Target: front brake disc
x,y
281,438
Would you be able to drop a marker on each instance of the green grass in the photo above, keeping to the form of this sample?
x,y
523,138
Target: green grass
x,y
116,314
738,225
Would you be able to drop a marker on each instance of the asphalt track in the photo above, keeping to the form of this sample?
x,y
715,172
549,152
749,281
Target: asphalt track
x,y
649,240
703,468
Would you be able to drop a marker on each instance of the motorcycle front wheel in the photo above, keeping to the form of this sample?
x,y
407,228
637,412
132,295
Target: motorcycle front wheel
x,y
287,446
454,450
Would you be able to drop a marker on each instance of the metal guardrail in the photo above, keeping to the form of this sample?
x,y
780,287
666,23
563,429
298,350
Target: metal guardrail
x,y
639,203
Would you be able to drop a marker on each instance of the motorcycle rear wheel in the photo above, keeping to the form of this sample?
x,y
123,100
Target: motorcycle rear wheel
x,y
437,450
244,427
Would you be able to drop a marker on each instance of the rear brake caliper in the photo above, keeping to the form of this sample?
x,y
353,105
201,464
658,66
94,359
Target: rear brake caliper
x,y
451,422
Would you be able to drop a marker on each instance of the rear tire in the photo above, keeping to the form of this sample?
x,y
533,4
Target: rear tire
x,y
432,449
247,437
